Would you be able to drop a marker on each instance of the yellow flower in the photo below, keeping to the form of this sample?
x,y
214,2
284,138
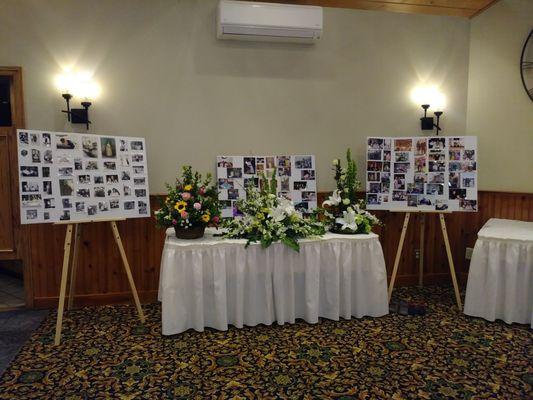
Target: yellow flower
x,y
180,206
187,188
205,217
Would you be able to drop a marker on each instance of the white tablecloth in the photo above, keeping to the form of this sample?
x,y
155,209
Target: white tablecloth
x,y
500,281
213,282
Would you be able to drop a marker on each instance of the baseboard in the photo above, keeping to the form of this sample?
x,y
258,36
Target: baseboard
x,y
84,300
429,279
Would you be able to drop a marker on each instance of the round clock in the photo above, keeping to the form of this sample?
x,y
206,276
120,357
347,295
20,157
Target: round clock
x,y
526,65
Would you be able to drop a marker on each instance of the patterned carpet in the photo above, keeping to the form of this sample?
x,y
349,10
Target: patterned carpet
x,y
443,355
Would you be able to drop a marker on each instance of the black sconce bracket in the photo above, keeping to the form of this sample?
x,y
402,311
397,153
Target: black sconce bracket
x,y
427,123
77,115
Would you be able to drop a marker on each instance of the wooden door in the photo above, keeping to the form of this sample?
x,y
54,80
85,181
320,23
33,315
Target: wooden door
x,y
13,243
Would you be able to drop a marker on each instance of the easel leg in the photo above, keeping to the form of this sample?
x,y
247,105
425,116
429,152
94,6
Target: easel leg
x,y
398,253
116,235
77,238
421,250
63,287
450,261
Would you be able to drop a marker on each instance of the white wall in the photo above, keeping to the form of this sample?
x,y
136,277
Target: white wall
x,y
166,77
500,112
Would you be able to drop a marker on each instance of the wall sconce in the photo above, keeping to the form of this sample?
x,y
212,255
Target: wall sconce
x,y
427,96
79,85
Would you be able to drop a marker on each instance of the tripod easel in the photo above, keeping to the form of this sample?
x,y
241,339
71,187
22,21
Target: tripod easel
x,y
77,227
421,260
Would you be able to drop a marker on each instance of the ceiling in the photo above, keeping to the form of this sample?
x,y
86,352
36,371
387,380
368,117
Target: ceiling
x,y
456,8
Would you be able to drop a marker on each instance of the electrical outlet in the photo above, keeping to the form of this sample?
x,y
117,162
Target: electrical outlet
x,y
468,254
417,253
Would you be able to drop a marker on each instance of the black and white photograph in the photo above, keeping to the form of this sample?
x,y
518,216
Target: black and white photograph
x,y
24,138
137,158
412,200
65,142
29,171
129,205
66,202
233,194
34,139
80,206
65,215
249,165
78,164
99,191
123,145
84,179
83,192
137,145
65,171
47,187
299,185
111,179
437,144
457,194
142,207
31,200
234,173
303,162
30,186
308,196
89,146
114,204
139,181
66,187
374,155
98,179
141,192
48,157
35,155
126,191
31,214
400,156
110,165
138,169
49,202
46,172
284,171
113,192
125,176
91,166
46,140
92,210
103,206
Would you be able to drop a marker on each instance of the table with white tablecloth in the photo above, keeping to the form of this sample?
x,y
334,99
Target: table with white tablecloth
x,y
214,282
500,280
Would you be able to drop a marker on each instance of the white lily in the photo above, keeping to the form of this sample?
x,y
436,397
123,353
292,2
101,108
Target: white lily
x,y
348,220
284,209
333,200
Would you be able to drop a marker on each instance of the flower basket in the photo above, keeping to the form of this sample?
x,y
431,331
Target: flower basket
x,y
193,232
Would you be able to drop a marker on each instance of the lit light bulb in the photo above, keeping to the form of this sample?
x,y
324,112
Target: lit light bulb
x,y
429,95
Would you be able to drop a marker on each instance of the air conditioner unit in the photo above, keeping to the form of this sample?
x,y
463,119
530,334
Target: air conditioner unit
x,y
248,20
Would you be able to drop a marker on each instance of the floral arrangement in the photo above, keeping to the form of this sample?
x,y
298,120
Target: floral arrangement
x,y
267,219
192,202
345,213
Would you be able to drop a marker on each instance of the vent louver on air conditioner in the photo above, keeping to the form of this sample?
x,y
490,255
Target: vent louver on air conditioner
x,y
244,20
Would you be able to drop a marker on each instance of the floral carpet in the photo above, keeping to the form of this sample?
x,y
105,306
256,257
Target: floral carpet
x,y
443,355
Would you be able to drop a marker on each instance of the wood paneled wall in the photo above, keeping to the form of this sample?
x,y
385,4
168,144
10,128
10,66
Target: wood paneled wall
x,y
101,279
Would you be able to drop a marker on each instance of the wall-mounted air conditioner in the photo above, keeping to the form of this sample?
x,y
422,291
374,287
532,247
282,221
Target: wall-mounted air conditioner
x,y
247,20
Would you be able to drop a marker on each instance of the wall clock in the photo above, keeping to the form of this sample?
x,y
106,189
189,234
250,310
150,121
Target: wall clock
x,y
526,65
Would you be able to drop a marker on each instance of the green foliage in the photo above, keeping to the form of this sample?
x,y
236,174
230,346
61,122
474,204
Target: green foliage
x,y
268,219
191,201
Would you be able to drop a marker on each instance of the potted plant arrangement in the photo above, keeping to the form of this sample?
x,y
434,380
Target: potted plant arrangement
x,y
267,218
190,206
345,213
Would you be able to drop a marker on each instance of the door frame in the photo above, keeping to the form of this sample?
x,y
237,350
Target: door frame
x,y
20,232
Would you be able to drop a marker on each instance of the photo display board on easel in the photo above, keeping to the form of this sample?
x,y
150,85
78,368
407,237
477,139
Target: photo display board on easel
x,y
71,176
295,175
422,173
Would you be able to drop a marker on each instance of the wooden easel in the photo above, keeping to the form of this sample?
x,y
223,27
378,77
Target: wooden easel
x,y
421,259
77,227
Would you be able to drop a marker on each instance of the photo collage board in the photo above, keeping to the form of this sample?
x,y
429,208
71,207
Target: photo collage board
x,y
424,173
295,176
79,177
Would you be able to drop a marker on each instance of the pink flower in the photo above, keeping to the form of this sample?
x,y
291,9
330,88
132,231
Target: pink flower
x,y
197,206
185,196
202,190
174,222
184,214
216,219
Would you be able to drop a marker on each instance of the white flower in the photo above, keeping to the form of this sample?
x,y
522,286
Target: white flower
x,y
333,200
349,220
346,201
284,209
335,162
